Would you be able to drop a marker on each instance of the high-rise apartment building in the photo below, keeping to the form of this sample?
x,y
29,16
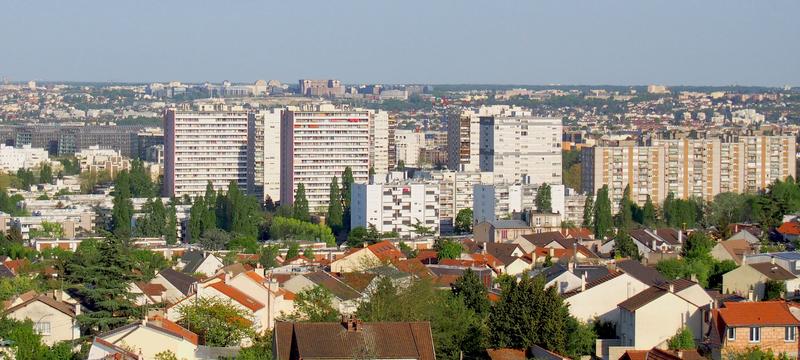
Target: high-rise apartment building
x,y
205,143
379,143
455,192
264,154
396,206
508,141
501,201
688,168
317,143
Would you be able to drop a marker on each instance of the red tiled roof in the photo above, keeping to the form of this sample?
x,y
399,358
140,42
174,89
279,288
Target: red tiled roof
x,y
255,276
789,228
506,354
151,289
764,313
385,250
14,265
171,326
237,296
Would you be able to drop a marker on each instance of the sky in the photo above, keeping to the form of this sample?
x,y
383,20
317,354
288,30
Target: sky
x,y
590,42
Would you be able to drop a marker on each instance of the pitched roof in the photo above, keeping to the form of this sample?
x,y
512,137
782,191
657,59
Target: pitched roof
x,y
5,272
63,307
334,285
236,295
179,280
509,224
503,251
150,289
772,271
647,275
544,238
414,267
789,228
671,236
654,292
255,276
192,259
447,275
506,354
356,280
385,250
596,282
659,354
171,326
764,313
382,340
737,248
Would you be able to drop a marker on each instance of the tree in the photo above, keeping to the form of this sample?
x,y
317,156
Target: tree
x,y
698,246
217,322
544,199
682,340
625,247
301,211
215,239
141,184
26,343
472,291
46,173
268,256
464,220
602,213
315,305
421,229
308,253
588,212
335,212
448,249
347,193
154,221
293,251
625,214
648,213
774,289
581,339
122,211
283,228
171,228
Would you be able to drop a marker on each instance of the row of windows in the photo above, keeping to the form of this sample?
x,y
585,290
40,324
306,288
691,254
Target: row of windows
x,y
789,334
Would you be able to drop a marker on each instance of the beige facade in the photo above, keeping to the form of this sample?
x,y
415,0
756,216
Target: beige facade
x,y
54,323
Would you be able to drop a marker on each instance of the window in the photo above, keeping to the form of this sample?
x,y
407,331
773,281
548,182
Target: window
x,y
731,333
755,334
42,328
790,333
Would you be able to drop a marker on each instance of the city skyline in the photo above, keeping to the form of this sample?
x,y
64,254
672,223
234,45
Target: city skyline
x,y
614,43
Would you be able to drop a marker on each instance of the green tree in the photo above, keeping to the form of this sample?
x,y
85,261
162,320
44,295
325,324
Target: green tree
x,y
217,322
315,305
27,344
448,249
308,253
682,340
544,199
588,212
774,289
421,229
463,221
283,228
602,213
141,185
171,229
293,251
122,211
625,247
335,212
472,291
301,211
46,173
196,216
625,214
215,239
648,213
268,256
698,246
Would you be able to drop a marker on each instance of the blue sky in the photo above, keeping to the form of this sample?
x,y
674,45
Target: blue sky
x,y
677,42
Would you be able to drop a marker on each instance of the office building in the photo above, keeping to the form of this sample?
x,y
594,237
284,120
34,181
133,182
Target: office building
x,y
396,207
508,141
264,154
202,144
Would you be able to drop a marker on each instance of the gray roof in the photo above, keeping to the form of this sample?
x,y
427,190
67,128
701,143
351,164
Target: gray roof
x,y
785,255
179,280
192,259
509,224
640,272
5,272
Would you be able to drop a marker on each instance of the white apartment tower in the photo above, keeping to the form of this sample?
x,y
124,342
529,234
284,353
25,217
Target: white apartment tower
x,y
317,143
264,154
508,141
207,142
396,207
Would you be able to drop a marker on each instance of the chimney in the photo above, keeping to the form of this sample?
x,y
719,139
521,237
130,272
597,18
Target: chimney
x,y
671,288
551,252
77,309
583,282
772,259
744,259
351,323
483,249
570,266
680,236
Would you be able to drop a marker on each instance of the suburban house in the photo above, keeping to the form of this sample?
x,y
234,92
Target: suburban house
x,y
145,339
788,260
658,240
544,221
352,339
667,305
359,259
743,325
496,231
599,298
790,231
177,285
446,275
146,293
266,291
568,277
199,262
734,250
345,298
53,318
746,235
749,280
509,258
661,354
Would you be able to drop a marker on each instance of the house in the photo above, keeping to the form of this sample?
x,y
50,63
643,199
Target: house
x,y
599,298
359,259
352,339
568,277
560,249
199,262
790,231
510,256
53,318
789,260
177,285
747,236
145,339
749,280
645,274
743,325
266,291
647,241
544,221
506,354
661,354
146,293
345,298
495,231
667,305
446,275
733,250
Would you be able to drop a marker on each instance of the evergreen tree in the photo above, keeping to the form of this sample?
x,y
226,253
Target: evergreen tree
x,y
602,213
649,213
625,214
347,192
170,232
543,201
140,183
122,212
196,223
301,204
625,247
335,212
293,251
46,173
588,212
474,294
207,210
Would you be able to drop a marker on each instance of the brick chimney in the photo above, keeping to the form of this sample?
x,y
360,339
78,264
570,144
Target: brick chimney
x,y
351,323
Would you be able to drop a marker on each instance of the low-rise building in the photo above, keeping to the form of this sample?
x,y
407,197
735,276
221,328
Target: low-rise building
x,y
741,326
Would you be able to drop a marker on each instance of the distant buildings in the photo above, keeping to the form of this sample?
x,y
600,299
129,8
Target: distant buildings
x,y
65,140
207,143
95,159
26,157
321,88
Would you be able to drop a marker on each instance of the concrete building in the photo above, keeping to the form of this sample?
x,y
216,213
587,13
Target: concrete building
x,y
379,143
408,144
264,154
455,192
508,141
317,143
688,167
323,88
25,157
95,159
205,143
500,201
396,207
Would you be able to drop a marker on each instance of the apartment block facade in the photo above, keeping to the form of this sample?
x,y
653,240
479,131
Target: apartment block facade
x,y
500,200
396,207
688,168
264,154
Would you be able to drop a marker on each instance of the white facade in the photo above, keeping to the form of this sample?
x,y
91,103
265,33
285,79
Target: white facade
x,y
26,157
318,143
207,143
456,192
408,144
264,154
395,207
379,143
499,201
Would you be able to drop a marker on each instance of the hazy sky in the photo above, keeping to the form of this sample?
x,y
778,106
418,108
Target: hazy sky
x,y
707,42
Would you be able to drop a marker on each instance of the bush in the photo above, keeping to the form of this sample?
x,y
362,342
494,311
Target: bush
x,y
284,228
